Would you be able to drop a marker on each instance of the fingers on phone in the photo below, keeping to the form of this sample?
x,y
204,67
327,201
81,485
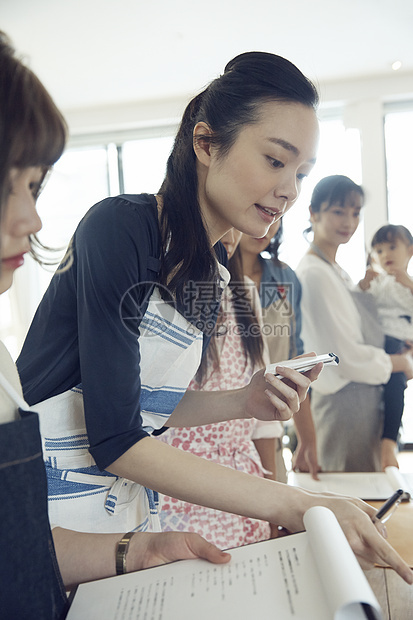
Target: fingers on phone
x,y
283,411
288,397
300,380
314,372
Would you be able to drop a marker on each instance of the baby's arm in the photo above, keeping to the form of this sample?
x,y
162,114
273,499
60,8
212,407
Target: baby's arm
x,y
364,284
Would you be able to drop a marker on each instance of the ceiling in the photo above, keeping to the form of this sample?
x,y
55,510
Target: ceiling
x,y
99,52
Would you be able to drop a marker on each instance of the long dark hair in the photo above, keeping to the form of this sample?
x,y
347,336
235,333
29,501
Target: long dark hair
x,y
228,104
32,130
245,320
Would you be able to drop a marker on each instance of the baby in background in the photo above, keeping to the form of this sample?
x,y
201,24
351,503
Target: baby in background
x,y
392,249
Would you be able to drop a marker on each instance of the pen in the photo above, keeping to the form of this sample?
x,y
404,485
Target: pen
x,y
394,500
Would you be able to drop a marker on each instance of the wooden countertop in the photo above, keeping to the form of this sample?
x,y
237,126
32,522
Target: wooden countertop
x,y
394,595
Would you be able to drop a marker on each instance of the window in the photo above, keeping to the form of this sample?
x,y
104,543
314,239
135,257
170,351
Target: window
x,y
144,164
79,179
398,132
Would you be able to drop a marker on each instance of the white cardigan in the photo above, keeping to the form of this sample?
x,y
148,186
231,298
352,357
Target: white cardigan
x,y
394,302
331,322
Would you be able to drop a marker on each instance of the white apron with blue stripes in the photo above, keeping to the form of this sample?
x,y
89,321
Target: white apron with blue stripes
x,y
83,498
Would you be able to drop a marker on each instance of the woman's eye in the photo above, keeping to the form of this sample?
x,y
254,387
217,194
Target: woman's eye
x,y
35,188
301,176
275,163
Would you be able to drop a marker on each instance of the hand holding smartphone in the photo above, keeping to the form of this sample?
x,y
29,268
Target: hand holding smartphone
x,y
303,364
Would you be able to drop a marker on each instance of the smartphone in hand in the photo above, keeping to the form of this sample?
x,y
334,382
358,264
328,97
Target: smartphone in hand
x,y
302,364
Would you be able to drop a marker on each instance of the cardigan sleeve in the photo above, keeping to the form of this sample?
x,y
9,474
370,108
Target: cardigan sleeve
x,y
113,251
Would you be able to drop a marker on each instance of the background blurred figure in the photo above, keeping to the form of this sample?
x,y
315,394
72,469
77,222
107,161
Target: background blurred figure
x,y
280,297
346,401
392,288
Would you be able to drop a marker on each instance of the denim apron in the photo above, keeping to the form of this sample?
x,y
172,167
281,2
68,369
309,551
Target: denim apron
x,y
31,583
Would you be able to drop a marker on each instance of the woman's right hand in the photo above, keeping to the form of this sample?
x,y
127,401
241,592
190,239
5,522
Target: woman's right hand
x,y
268,397
365,534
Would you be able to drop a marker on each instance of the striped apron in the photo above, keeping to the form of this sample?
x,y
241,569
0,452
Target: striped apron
x,y
83,498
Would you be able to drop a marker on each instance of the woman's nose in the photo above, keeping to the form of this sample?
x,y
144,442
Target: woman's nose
x,y
28,221
350,221
287,188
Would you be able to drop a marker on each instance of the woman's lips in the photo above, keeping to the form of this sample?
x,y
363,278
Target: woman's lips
x,y
13,262
267,214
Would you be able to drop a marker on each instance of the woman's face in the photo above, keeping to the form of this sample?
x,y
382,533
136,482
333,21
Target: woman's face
x,y
336,224
20,220
254,245
260,177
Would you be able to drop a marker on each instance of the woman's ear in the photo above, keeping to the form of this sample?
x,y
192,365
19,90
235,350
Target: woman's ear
x,y
313,216
201,143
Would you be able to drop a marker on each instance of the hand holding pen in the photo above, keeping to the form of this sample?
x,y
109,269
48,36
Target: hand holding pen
x,y
385,512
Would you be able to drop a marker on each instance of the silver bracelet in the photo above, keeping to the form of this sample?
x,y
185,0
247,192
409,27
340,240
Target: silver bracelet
x,y
121,551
